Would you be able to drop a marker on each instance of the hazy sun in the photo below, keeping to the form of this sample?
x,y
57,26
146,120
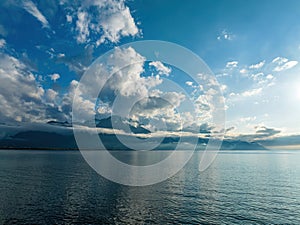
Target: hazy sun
x,y
298,93
294,90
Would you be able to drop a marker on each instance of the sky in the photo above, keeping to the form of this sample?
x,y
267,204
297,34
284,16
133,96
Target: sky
x,y
252,47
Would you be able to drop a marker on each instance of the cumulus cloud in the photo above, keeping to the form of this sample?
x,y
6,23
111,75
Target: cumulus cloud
x,y
51,95
263,80
252,92
232,64
119,77
280,60
189,83
21,97
204,107
69,18
2,43
31,8
245,94
128,81
110,21
282,64
258,65
117,22
101,21
223,87
253,78
269,76
243,71
82,26
286,66
54,77
84,106
161,68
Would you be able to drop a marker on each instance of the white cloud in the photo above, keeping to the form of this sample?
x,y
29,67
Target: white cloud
x,y
258,65
104,109
257,76
252,92
236,97
54,77
243,71
283,64
161,68
204,107
232,64
247,119
61,55
269,76
263,80
117,22
31,8
286,66
69,18
2,43
225,35
223,87
189,83
126,83
151,106
83,106
280,60
21,97
51,96
110,21
82,26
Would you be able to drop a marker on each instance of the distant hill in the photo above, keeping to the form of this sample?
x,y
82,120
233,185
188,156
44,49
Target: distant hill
x,y
39,139
57,123
241,145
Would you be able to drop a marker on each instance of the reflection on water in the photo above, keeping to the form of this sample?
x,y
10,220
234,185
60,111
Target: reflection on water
x,y
48,187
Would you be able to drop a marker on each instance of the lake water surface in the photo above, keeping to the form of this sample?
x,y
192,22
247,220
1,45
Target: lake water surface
x,y
240,187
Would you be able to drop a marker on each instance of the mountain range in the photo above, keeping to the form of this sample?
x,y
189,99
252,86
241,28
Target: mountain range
x,y
59,135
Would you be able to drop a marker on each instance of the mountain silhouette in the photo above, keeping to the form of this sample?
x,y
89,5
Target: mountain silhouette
x,y
58,135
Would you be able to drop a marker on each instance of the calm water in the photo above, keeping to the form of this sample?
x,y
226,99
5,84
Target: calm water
x,y
48,187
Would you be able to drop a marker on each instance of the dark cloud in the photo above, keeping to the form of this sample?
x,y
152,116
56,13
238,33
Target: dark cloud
x,y
150,105
78,62
266,132
204,128
261,133
229,129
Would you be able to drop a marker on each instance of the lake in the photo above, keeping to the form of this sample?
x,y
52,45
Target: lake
x,y
240,187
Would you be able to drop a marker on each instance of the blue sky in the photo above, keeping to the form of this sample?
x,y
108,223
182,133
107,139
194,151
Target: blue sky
x,y
253,48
